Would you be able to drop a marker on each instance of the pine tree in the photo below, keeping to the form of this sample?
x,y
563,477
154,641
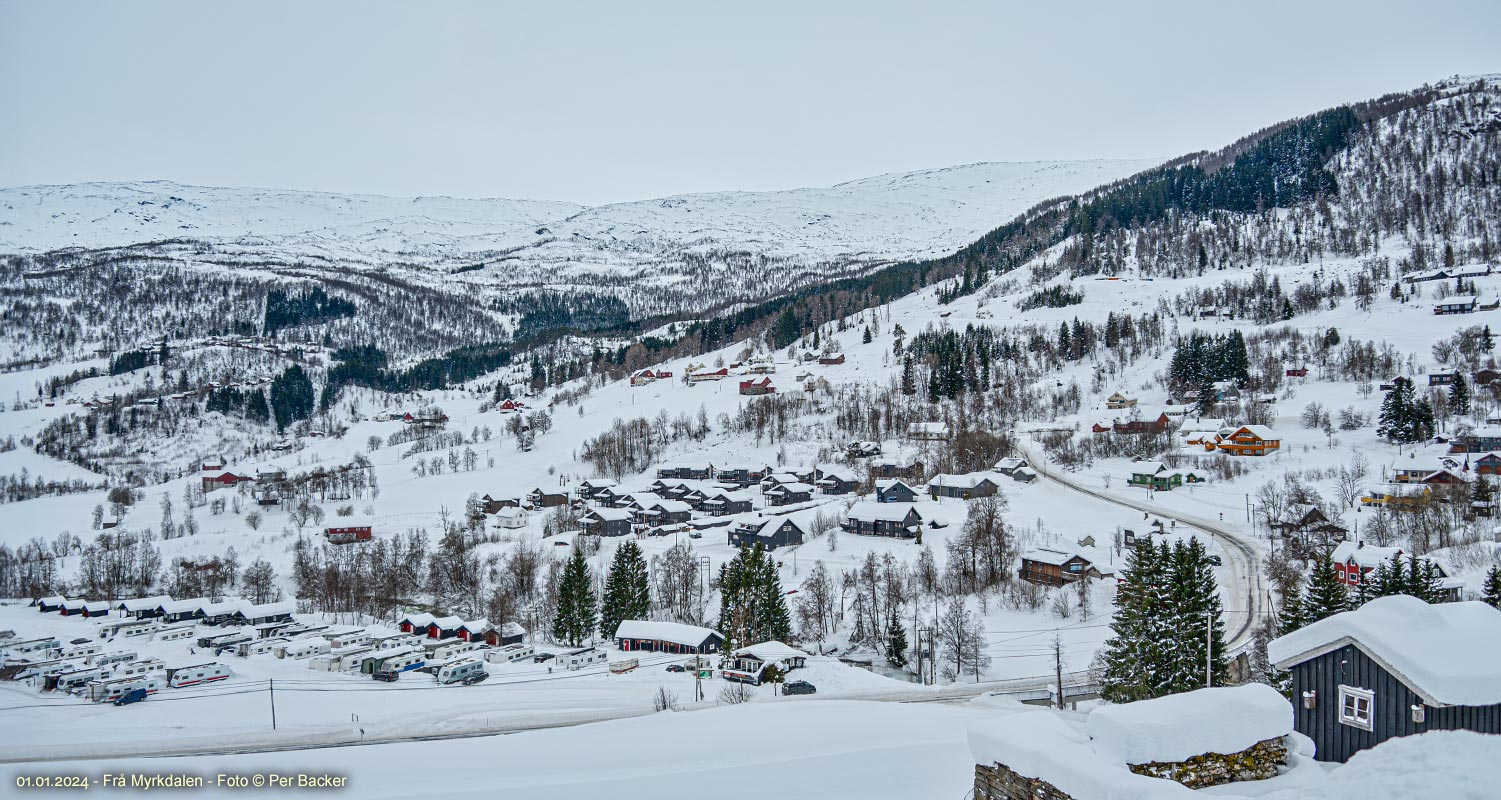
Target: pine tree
x,y
1131,655
1196,611
627,592
1491,589
896,643
1423,581
773,621
1459,394
909,388
865,337
575,617
1205,405
1326,594
1487,341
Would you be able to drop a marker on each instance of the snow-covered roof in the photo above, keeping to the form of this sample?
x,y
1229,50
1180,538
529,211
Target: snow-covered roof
x,y
609,514
1365,556
968,481
890,512
1147,467
600,483
476,626
1176,727
1446,653
1259,431
137,603
1010,463
928,427
790,488
675,632
884,484
419,620
228,606
1047,555
447,623
837,472
672,506
269,609
771,651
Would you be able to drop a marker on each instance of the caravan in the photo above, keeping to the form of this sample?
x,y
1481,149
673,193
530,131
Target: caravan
x,y
259,647
111,690
207,672
101,659
301,648
142,667
73,679
82,650
173,634
579,659
462,672
447,649
25,647
391,661
511,652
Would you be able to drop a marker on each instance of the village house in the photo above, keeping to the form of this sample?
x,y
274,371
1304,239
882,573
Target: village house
x,y
264,613
929,431
894,490
1158,476
757,386
708,375
721,503
653,636
1046,566
748,664
1118,401
607,521
883,519
546,498
1440,378
1297,372
689,471
1307,524
415,623
769,532
587,489
1479,440
964,487
837,480
510,518
831,361
1354,561
348,530
219,479
444,628
1458,304
1449,273
136,608
1250,440
1009,465
786,494
887,468
504,634
1396,666
742,475
1485,377
862,449
1158,424
665,512
642,377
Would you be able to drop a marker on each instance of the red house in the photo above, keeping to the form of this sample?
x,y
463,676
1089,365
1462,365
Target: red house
x,y
415,623
1298,372
510,405
223,478
348,533
830,361
757,386
444,628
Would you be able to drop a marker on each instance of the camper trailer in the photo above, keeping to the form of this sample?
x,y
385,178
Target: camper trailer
x,y
173,634
579,659
215,641
110,690
74,679
511,652
116,657
460,671
26,647
139,630
195,674
127,627
83,651
447,649
301,648
142,667
350,639
259,647
392,661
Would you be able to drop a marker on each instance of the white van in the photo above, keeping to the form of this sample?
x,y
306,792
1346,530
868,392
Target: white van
x,y
460,671
511,652
195,674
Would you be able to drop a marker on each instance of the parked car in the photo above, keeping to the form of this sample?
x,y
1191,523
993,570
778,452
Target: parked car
x,y
676,668
696,534
386,676
132,696
798,687
1216,560
477,677
542,658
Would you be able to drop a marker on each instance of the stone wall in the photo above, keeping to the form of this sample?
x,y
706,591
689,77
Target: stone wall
x,y
1000,783
1255,763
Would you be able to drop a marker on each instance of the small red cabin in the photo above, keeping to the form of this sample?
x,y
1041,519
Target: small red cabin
x,y
347,533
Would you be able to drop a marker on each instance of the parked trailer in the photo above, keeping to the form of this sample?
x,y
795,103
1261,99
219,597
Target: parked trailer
x,y
126,627
350,639
460,670
207,672
622,667
301,648
81,650
511,652
139,630
579,659
116,657
222,639
111,690
259,647
447,649
392,661
74,679
142,667
26,647
173,634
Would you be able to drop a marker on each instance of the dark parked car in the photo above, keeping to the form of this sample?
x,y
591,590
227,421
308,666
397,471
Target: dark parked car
x,y
132,696
676,668
1215,560
542,657
798,687
695,535
386,676
477,677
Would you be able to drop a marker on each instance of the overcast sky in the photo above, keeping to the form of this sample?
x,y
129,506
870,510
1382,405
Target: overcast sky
x,y
598,102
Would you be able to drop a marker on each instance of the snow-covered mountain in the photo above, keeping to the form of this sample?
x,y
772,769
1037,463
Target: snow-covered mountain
x,y
896,216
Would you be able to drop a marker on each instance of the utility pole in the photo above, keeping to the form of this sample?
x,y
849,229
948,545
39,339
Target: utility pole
x,y
1208,649
1058,664
273,704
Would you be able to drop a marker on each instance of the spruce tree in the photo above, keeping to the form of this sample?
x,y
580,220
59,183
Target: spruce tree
x,y
1423,581
1490,592
1459,394
773,621
1196,611
627,592
1326,594
574,620
1130,657
1396,411
1487,341
896,643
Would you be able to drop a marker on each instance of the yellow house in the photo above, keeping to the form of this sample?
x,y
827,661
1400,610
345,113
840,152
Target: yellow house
x,y
1118,401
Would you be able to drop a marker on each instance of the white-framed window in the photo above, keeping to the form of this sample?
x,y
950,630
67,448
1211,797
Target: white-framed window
x,y
1356,707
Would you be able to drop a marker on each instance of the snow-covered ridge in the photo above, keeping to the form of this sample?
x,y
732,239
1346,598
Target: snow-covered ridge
x,y
901,215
